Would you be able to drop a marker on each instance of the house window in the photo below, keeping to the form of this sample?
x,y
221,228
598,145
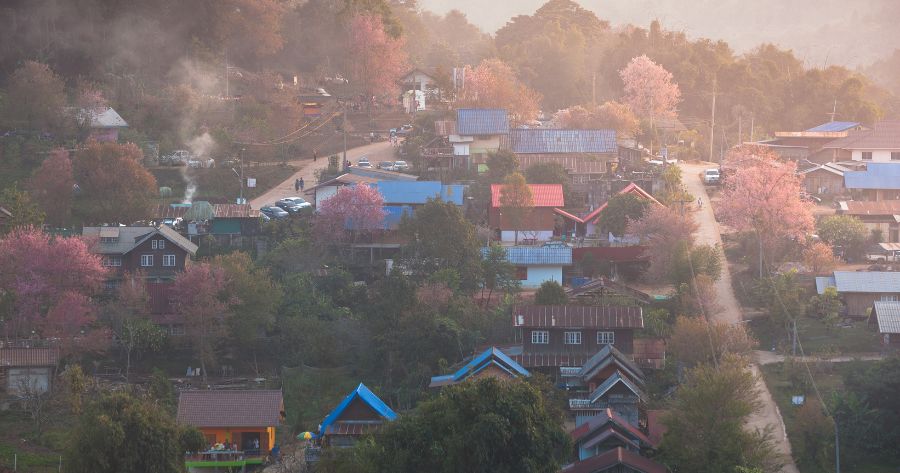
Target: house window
x,y
109,239
146,260
161,244
168,260
540,337
606,338
895,155
112,261
890,298
573,338
153,244
112,284
866,155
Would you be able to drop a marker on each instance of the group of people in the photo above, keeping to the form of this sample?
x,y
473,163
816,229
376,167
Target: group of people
x,y
298,184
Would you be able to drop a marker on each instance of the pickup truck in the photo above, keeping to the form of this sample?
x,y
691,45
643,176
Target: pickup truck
x,y
711,176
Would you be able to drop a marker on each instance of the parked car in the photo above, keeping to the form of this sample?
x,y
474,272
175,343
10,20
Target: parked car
x,y
274,212
711,176
405,129
401,166
363,162
387,166
294,205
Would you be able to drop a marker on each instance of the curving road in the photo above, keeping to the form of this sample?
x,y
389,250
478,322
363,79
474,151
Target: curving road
x,y
381,151
709,233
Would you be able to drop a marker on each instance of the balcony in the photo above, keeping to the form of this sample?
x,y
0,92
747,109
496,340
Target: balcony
x,y
224,458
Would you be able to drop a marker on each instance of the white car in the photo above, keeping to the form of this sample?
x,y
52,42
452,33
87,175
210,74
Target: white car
x,y
711,176
363,163
401,166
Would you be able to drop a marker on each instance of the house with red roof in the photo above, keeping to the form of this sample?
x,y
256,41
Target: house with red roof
x,y
539,223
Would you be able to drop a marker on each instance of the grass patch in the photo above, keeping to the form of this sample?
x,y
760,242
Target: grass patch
x,y
816,338
18,445
220,185
785,380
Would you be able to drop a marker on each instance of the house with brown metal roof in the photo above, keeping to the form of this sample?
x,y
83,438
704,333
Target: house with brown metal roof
x,y
25,368
881,143
882,216
242,421
569,335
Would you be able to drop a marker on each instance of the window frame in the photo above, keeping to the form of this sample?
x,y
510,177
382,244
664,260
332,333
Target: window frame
x,y
572,338
161,244
603,335
866,153
146,261
895,155
112,261
153,245
540,337
167,259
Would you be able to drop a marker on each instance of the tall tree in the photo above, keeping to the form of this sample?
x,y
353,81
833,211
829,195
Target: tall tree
x,y
203,303
249,28
493,84
621,209
649,89
845,233
37,97
501,163
441,238
550,293
516,202
114,186
662,231
611,115
46,285
23,210
763,196
695,340
52,187
351,211
255,299
377,59
819,258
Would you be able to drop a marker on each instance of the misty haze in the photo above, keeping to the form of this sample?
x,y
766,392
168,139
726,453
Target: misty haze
x,y
409,236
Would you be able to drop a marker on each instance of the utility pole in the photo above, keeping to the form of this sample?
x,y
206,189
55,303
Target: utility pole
x,y
242,174
712,121
752,117
837,447
344,127
740,129
594,89
833,110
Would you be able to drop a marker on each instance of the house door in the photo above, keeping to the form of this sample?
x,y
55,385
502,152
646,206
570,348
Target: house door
x,y
250,443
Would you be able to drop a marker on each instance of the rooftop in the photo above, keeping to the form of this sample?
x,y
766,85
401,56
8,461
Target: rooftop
x,y
535,255
481,121
490,357
834,127
609,459
573,316
418,192
542,195
875,176
869,207
106,118
227,408
877,282
366,396
884,135
888,316
631,188
16,357
128,238
548,141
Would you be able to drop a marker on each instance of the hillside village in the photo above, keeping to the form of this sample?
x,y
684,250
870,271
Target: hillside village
x,y
345,236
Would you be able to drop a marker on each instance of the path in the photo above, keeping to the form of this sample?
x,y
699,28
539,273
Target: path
x,y
709,233
768,358
382,151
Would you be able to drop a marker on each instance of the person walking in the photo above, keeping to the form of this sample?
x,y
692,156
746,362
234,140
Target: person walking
x,y
315,155
699,203
296,185
301,183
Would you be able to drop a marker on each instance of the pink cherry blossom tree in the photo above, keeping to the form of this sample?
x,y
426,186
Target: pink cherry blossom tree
x,y
201,301
650,91
762,195
352,211
377,60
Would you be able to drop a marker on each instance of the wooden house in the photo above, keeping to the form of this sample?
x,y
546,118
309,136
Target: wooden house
x,y
824,179
360,413
812,144
158,252
616,460
103,124
25,368
490,363
554,336
607,431
881,143
478,132
538,223
859,290
245,418
883,216
886,319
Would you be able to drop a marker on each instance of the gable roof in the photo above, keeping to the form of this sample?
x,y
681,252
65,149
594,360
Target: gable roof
x,y
883,135
861,281
888,315
364,395
130,237
604,418
481,121
15,357
228,408
418,192
573,316
834,127
542,195
607,356
613,380
822,167
869,207
544,140
612,458
5,213
875,176
107,118
535,255
407,77
381,174
490,357
631,188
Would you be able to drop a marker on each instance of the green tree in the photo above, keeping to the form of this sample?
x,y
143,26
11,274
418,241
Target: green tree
x,y
706,425
516,202
440,237
550,293
826,306
460,429
501,164
498,272
119,433
785,300
813,439
847,234
24,212
619,210
255,299
37,98
690,262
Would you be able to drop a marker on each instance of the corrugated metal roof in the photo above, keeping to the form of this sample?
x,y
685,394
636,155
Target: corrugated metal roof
x,y
481,121
577,164
366,396
614,379
834,126
823,282
536,255
574,316
107,118
609,459
544,141
876,176
131,237
15,357
870,207
418,192
227,408
866,281
884,135
603,420
542,195
606,356
888,316
490,357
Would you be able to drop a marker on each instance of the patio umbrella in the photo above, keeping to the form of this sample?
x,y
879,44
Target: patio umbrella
x,y
306,436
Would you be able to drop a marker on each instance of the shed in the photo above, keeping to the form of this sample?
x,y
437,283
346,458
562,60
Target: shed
x,y
886,318
27,369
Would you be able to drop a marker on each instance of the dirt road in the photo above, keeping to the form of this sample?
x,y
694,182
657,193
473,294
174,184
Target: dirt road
x,y
307,170
709,233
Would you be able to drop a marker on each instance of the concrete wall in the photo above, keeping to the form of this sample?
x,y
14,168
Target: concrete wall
x,y
537,275
539,235
325,193
879,155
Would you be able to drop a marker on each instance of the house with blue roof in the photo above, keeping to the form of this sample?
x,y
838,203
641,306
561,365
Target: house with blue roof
x,y
490,363
536,265
478,132
360,413
404,197
877,182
